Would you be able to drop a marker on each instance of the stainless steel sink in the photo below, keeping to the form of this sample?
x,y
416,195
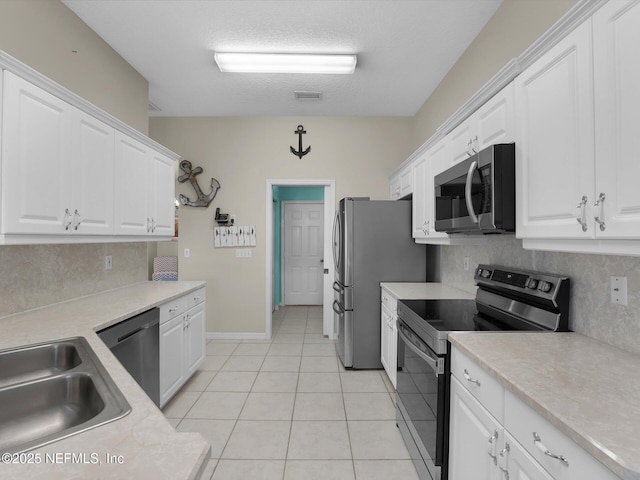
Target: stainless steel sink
x,y
29,363
54,390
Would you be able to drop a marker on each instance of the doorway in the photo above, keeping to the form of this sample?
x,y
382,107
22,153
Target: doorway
x,y
273,255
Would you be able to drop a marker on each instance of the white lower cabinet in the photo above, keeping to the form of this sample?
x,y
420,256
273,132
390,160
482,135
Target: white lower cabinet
x,y
182,342
389,334
495,435
474,437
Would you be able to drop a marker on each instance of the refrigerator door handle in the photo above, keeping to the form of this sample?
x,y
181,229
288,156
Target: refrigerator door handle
x,y
337,308
338,288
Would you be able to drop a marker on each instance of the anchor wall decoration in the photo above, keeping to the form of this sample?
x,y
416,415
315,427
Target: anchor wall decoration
x,y
190,174
300,153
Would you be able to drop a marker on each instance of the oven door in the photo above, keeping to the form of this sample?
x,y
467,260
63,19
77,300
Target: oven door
x,y
422,403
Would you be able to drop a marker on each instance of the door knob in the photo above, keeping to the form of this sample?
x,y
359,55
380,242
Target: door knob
x,y
322,260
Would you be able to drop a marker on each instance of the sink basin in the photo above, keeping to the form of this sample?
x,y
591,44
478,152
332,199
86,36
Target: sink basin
x,y
54,390
21,365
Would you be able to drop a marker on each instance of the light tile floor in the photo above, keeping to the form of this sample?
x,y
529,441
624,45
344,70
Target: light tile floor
x,y
286,409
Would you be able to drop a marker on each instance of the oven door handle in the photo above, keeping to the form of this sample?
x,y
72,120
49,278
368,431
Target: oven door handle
x,y
467,192
435,363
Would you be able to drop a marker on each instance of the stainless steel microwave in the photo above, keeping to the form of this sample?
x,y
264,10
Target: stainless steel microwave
x,y
477,195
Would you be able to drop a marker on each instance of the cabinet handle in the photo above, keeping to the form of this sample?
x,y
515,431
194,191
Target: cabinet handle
x,y
196,298
148,224
469,379
600,218
506,449
77,219
537,441
469,153
474,145
491,446
582,218
67,219
174,309
425,227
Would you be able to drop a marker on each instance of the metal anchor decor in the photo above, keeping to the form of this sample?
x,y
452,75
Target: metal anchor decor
x,y
300,153
190,174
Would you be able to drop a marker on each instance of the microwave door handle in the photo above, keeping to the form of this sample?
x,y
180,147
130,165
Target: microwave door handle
x,y
467,191
434,363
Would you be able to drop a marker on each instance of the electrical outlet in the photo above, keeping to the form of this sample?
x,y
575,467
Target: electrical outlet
x,y
243,253
618,287
465,263
107,262
187,253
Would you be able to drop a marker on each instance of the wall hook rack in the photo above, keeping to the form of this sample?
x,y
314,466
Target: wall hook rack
x,y
190,175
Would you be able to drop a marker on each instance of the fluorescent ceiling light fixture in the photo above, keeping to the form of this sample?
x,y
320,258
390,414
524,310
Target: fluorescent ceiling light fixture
x,y
285,63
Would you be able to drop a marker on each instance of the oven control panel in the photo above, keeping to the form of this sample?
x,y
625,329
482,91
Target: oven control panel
x,y
527,282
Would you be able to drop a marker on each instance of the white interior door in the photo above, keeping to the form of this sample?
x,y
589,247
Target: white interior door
x,y
303,225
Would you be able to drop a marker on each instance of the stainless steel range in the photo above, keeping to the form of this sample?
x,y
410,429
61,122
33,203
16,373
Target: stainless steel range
x,y
507,299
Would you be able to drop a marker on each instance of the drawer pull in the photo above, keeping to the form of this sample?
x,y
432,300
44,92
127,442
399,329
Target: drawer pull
x,y
540,446
171,310
469,379
506,449
195,299
491,447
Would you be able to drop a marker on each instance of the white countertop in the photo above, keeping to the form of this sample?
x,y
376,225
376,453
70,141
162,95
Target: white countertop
x,y
425,291
148,444
587,389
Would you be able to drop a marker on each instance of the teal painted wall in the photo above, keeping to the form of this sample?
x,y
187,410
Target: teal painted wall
x,y
281,194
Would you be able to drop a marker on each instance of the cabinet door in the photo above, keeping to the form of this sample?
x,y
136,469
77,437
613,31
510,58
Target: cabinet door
x,y
495,120
162,200
194,339
474,436
385,343
617,97
438,162
92,172
394,188
406,181
554,140
171,358
420,200
132,170
36,153
519,464
463,141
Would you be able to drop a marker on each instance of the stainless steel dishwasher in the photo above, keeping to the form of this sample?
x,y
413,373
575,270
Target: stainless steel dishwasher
x,y
135,343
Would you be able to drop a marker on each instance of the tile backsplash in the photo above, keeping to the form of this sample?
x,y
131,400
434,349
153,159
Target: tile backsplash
x,y
33,276
592,313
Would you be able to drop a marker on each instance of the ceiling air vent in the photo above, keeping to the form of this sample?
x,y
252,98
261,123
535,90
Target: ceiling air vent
x,y
153,107
308,95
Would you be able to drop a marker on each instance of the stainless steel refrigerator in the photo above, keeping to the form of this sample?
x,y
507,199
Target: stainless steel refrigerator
x,y
372,243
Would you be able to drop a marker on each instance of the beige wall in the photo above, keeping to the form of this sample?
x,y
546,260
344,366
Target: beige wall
x,y
515,26
242,153
44,33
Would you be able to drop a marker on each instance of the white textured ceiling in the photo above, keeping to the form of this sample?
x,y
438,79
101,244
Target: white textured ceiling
x,y
404,48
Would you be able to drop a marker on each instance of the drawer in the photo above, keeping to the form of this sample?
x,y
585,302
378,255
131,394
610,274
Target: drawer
x,y
389,301
194,298
522,421
172,309
485,388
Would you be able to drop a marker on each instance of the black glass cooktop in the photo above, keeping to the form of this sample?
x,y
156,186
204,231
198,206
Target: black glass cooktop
x,y
445,315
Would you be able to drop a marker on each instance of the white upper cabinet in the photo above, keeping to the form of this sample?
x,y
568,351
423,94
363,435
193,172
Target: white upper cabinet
x,y
493,122
162,203
72,173
554,141
133,164
92,175
401,183
421,202
616,34
36,160
144,189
